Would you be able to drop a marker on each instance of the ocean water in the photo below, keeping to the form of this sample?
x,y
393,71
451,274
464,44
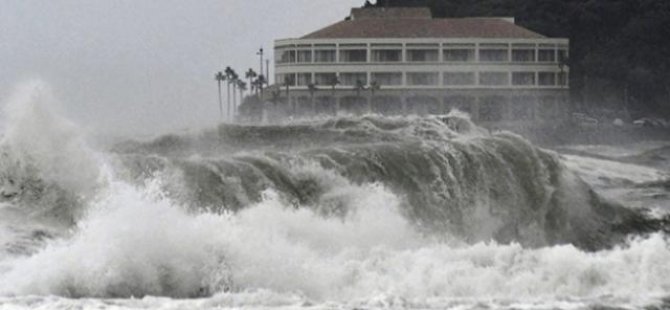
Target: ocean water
x,y
342,213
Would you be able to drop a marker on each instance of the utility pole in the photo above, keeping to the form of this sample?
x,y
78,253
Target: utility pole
x,y
267,71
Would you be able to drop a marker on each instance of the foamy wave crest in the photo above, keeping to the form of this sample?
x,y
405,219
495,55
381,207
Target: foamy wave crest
x,y
131,243
137,243
43,159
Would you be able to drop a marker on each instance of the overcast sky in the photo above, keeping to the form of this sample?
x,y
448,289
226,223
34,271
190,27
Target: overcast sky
x,y
123,66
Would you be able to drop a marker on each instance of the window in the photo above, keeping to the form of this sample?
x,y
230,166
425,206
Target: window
x,y
279,56
546,78
282,79
387,78
422,55
523,78
324,56
459,53
459,78
546,54
493,78
492,108
286,56
288,79
325,78
423,78
523,53
387,55
304,56
304,79
353,55
493,53
350,78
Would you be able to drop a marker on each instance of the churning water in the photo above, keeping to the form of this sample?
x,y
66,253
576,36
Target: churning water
x,y
359,212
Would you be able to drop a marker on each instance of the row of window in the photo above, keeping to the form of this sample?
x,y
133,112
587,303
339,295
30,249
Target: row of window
x,y
486,53
498,78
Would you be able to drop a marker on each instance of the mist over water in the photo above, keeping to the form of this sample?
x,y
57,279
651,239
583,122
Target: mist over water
x,y
416,212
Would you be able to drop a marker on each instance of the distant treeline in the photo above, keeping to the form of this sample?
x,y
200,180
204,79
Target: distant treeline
x,y
620,49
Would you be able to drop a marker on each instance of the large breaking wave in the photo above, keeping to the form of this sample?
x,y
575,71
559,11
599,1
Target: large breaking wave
x,y
451,177
368,210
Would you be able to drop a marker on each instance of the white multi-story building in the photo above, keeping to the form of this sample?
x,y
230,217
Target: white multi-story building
x,y
403,61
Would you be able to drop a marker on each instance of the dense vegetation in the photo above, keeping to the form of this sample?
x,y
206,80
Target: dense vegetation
x,y
620,49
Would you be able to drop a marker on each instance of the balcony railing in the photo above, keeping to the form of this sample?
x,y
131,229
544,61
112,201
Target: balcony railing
x,y
405,54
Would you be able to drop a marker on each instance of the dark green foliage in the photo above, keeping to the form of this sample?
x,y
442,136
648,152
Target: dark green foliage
x,y
618,47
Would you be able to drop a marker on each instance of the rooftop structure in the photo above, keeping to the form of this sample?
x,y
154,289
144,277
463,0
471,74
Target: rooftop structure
x,y
403,61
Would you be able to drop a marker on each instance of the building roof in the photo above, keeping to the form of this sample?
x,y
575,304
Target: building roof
x,y
362,13
418,23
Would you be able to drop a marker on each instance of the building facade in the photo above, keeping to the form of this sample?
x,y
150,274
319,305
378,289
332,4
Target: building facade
x,y
403,61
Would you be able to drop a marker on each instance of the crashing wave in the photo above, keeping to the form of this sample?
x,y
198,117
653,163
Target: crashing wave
x,y
44,164
454,178
367,210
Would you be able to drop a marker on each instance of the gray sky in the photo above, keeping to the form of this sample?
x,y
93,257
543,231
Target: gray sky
x,y
124,66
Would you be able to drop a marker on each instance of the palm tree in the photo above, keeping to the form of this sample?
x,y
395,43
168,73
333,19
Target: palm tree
x,y
254,85
334,81
374,86
258,83
219,77
229,78
234,106
358,87
251,74
312,89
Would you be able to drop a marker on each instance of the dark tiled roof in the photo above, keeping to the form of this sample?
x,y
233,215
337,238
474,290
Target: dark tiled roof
x,y
476,27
